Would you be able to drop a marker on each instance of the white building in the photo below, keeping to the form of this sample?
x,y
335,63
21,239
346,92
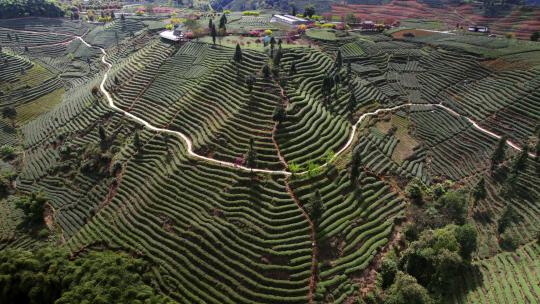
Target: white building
x,y
480,29
175,35
288,19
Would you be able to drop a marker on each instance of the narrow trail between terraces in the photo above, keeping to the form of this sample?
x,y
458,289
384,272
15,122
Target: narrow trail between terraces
x,y
189,143
281,172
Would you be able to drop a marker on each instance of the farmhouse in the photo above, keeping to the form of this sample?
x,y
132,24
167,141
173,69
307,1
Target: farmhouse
x,y
174,35
480,29
288,19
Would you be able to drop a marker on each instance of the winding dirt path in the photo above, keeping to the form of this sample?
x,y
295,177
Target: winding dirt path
x,y
189,143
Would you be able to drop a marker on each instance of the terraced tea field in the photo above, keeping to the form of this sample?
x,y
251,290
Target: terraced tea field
x,y
234,178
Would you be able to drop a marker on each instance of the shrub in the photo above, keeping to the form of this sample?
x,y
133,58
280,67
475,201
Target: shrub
x,y
251,13
453,205
509,216
7,152
406,290
435,260
415,191
388,272
294,168
32,207
508,242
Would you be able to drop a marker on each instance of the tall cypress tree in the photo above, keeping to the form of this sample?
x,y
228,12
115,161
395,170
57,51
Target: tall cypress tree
x,y
222,21
520,163
356,161
352,104
213,32
498,154
292,69
237,54
339,60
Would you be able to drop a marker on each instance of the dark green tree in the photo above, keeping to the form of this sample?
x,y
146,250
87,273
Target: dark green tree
x,y
467,237
453,206
351,106
266,71
272,45
33,207
508,217
213,32
26,8
292,69
102,134
434,259
520,163
250,82
309,10
10,113
277,58
137,141
237,54
499,153
479,190
388,272
356,162
316,206
535,36
251,155
339,60
406,290
50,276
222,21
279,114
415,192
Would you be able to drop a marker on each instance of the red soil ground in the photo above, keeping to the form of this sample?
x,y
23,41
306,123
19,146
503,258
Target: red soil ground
x,y
522,24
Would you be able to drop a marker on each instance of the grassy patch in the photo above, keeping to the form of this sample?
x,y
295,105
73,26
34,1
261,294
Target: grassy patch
x,y
29,111
424,24
406,143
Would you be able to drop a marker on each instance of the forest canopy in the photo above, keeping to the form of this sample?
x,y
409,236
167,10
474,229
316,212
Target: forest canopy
x,y
48,276
25,8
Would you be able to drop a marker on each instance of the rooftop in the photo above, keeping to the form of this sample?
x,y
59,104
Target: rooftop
x,y
170,35
290,18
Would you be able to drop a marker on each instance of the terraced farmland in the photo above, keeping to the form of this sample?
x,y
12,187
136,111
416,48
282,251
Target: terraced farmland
x,y
262,179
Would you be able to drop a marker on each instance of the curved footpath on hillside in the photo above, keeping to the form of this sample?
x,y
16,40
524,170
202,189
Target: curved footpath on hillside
x,y
189,143
281,172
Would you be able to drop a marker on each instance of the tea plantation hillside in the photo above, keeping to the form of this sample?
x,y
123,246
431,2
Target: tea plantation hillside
x,y
354,168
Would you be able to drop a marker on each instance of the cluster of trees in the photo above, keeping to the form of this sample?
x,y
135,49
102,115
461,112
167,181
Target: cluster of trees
x,y
50,276
335,80
32,207
220,31
439,250
508,172
430,267
25,8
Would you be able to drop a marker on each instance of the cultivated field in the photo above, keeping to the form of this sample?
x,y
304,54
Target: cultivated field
x,y
147,147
